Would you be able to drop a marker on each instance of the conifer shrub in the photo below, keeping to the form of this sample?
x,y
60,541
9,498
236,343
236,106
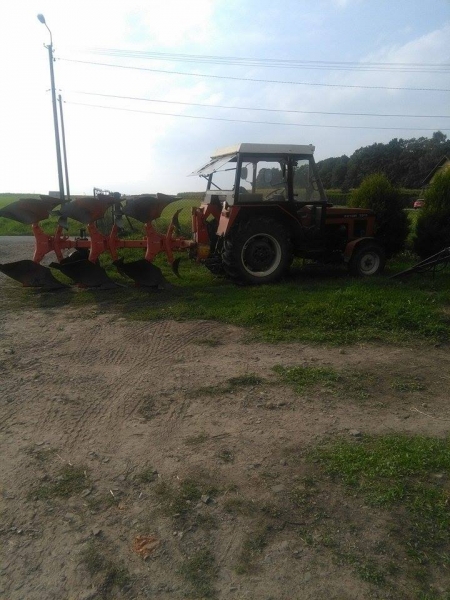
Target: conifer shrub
x,y
377,193
433,223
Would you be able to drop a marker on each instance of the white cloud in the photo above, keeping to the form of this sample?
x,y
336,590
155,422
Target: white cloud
x,y
134,152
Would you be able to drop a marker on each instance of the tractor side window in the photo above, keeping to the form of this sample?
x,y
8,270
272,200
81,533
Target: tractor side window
x,y
305,187
271,180
263,180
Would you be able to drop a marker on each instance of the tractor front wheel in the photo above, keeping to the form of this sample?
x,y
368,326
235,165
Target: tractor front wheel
x,y
367,260
257,251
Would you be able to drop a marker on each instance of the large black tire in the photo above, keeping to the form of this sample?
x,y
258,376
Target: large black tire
x,y
367,260
257,251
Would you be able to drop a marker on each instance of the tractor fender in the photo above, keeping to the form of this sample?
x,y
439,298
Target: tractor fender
x,y
353,245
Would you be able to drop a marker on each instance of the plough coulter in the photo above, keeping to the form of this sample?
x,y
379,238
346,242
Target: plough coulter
x,y
82,264
264,204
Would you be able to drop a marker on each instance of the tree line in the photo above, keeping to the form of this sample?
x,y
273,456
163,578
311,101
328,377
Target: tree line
x,y
406,163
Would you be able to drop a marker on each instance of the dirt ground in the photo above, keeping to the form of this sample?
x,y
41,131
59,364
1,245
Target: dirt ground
x,y
123,402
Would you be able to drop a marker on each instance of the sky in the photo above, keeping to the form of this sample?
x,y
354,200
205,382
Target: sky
x,y
133,150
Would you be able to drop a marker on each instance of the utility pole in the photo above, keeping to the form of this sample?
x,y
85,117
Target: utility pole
x,y
41,19
63,135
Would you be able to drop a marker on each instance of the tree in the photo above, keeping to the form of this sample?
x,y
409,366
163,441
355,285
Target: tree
x,y
406,163
433,224
439,137
377,193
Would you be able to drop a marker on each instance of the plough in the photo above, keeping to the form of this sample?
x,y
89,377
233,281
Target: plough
x,y
82,264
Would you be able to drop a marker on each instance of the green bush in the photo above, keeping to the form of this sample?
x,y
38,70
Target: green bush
x,y
433,224
377,193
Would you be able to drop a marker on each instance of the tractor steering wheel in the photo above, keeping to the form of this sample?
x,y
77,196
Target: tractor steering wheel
x,y
273,192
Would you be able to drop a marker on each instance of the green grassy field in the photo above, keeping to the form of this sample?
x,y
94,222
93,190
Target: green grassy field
x,y
313,303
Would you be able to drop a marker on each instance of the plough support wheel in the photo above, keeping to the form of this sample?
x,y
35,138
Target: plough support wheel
x,y
31,274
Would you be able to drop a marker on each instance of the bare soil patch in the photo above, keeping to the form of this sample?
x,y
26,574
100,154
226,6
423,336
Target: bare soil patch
x,y
180,439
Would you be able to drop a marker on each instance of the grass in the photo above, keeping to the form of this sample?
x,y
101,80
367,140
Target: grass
x,y
318,306
147,475
226,455
313,304
230,386
42,455
200,571
251,550
345,383
303,377
399,471
239,506
179,500
195,440
69,481
147,409
408,385
112,574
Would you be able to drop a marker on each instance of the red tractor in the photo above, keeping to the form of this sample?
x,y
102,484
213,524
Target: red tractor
x,y
264,205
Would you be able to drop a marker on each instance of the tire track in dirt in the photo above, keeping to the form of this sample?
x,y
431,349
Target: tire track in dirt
x,y
138,357
156,346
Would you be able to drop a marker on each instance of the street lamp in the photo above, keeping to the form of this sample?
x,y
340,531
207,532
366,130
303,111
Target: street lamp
x,y
41,19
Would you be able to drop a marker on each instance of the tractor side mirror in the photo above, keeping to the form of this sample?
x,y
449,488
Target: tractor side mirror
x,y
244,173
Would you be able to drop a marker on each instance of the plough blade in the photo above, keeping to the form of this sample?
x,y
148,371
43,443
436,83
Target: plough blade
x,y
85,273
175,223
80,254
86,210
30,210
176,266
31,274
147,208
143,273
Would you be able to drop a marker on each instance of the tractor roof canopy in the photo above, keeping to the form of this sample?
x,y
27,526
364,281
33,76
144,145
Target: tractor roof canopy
x,y
224,155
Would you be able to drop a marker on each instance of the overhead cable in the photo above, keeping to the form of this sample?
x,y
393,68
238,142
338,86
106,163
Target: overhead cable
x,y
277,110
276,62
229,77
149,112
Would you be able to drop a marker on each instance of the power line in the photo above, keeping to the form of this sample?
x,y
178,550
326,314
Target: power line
x,y
277,110
204,75
277,63
149,112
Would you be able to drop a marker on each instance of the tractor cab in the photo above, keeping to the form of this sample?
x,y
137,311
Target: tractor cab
x,y
253,173
265,204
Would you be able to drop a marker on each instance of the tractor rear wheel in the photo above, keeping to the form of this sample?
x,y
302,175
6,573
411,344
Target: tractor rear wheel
x,y
257,251
367,260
